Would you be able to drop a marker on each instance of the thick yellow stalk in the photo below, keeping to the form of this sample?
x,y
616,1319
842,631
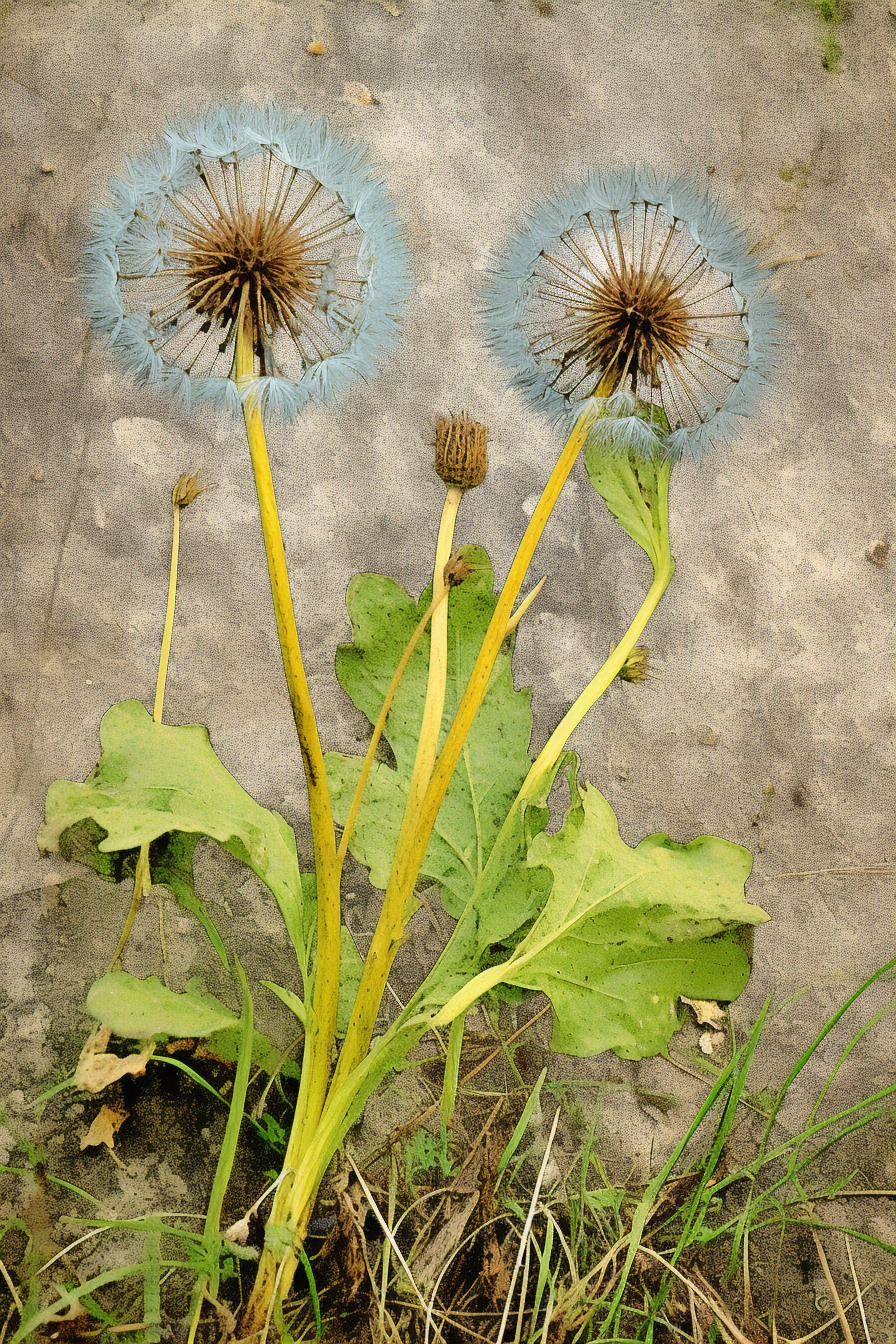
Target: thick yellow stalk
x,y
411,848
321,1031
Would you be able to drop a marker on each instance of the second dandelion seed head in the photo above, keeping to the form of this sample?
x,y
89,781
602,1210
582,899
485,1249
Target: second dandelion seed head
x,y
635,284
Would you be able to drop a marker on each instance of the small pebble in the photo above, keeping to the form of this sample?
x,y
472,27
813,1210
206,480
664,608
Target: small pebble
x,y
359,94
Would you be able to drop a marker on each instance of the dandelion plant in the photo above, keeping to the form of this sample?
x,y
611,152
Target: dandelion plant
x,y
252,261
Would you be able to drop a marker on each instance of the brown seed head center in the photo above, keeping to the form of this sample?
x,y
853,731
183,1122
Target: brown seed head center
x,y
636,319
255,250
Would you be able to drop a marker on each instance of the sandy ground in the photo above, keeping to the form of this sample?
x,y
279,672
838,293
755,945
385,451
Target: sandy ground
x,y
773,650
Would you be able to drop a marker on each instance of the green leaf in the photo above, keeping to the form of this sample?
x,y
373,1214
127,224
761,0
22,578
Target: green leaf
x,y
494,760
153,779
351,967
138,1009
625,931
637,494
265,1054
289,999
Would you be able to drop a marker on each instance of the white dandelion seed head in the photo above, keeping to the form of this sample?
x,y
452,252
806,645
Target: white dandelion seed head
x,y
252,205
642,284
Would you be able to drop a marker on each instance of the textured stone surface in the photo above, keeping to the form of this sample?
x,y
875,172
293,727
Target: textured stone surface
x,y
773,650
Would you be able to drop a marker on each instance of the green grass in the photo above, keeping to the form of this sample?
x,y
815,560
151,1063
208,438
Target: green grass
x,y
832,13
586,1258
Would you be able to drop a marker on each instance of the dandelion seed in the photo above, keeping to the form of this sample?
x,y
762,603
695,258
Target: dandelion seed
x,y
251,206
641,283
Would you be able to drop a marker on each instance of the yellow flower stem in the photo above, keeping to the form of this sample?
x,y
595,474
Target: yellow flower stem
x,y
542,766
142,878
550,752
165,653
434,705
411,848
141,889
524,606
380,725
321,1027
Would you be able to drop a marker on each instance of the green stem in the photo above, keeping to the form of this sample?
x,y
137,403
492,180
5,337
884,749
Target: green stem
x,y
142,877
227,1155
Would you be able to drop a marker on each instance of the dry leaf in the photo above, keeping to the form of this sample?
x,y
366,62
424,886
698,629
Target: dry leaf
x,y
709,1014
344,1244
452,1225
97,1070
104,1128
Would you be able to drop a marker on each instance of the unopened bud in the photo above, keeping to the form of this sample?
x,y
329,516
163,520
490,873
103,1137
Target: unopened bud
x,y
186,490
461,457
635,667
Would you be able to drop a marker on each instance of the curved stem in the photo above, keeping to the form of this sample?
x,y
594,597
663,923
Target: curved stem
x,y
380,725
556,743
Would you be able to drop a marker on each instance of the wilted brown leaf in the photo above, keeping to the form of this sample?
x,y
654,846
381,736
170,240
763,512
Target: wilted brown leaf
x,y
104,1128
97,1070
343,1244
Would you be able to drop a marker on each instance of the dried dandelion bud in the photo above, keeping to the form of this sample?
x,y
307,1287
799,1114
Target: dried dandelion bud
x,y
635,667
238,1232
461,456
456,571
186,490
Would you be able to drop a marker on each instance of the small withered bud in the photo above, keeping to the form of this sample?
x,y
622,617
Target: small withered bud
x,y
635,667
186,490
456,570
461,457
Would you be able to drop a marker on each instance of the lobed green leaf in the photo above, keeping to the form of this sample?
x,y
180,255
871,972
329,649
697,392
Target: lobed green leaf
x,y
625,932
152,780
